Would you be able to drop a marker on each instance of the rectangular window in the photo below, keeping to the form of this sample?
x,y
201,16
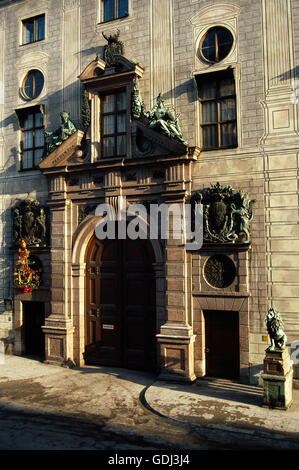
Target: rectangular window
x,y
32,137
113,9
33,29
113,124
218,110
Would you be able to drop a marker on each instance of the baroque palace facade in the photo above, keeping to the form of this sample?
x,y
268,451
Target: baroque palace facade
x,y
149,102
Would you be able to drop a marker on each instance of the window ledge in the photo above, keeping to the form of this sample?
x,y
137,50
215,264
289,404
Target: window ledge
x,y
113,19
220,149
25,170
31,42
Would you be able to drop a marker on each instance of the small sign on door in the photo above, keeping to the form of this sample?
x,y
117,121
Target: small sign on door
x,y
108,327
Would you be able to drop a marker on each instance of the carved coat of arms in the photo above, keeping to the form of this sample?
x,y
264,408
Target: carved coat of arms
x,y
226,213
29,223
113,48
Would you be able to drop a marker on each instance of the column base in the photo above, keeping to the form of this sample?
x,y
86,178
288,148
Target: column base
x,y
176,353
59,342
278,380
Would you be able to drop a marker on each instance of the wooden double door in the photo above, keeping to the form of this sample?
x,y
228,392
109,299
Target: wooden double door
x,y
120,305
222,344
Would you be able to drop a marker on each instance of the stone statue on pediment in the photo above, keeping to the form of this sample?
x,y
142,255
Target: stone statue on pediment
x,y
63,132
165,120
114,48
137,101
160,117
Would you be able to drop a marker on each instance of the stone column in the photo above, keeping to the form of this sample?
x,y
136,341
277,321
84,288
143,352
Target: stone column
x,y
2,184
71,58
58,327
280,109
280,153
176,336
162,70
2,94
78,302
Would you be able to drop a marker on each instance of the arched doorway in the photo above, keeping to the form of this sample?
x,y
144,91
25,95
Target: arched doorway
x,y
120,304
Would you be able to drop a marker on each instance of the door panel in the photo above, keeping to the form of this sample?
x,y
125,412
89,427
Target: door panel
x,y
222,343
121,291
34,319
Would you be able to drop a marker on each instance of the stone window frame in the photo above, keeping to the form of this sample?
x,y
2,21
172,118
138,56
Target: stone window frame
x,y
32,16
227,16
21,113
204,36
115,112
218,123
201,37
96,126
23,84
116,17
198,115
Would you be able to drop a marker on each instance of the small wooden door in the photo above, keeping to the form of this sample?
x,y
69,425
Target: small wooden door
x,y
34,319
120,305
222,343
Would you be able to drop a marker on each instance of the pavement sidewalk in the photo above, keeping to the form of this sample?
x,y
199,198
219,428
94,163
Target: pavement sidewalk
x,y
224,407
224,404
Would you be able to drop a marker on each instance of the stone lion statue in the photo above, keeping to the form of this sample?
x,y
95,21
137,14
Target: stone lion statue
x,y
275,329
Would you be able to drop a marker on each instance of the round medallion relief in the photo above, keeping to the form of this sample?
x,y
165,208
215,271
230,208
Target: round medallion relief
x,y
219,271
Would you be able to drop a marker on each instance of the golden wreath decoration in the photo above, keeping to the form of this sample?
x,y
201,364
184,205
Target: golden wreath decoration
x,y
26,278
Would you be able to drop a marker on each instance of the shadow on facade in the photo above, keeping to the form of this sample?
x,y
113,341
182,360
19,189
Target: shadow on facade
x,y
293,73
50,102
95,50
187,88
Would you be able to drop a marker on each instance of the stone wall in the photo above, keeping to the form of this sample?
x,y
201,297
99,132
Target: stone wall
x,y
163,37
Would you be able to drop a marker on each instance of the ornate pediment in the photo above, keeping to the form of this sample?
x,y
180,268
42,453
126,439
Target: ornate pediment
x,y
68,153
226,214
98,69
147,142
114,62
95,69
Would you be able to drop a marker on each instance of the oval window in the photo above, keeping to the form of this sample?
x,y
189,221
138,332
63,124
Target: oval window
x,y
216,44
32,85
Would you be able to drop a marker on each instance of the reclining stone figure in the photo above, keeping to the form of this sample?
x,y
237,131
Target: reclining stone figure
x,y
55,138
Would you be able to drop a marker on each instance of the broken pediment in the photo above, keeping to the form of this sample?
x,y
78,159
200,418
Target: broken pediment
x,y
95,69
98,69
147,142
68,153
